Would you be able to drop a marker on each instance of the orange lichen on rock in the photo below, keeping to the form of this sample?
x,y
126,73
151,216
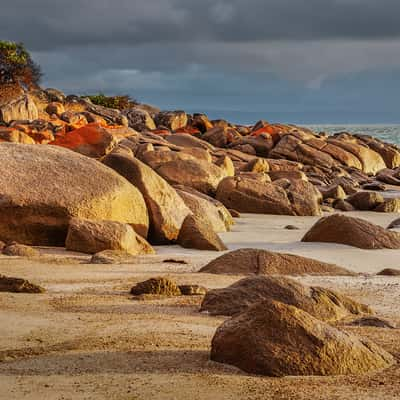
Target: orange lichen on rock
x,y
269,129
189,129
161,132
92,140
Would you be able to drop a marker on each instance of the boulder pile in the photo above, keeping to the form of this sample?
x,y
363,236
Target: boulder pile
x,y
170,175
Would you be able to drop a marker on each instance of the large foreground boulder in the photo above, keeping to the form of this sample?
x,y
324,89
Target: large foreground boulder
x,y
167,210
276,339
94,236
323,304
43,187
263,262
351,231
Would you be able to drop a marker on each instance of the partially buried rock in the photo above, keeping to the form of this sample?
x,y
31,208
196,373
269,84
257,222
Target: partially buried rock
x,y
389,272
291,227
374,322
395,224
112,257
156,286
192,290
323,304
263,262
197,234
94,236
18,285
20,250
355,232
276,339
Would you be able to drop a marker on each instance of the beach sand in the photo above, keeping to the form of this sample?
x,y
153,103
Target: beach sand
x,y
86,338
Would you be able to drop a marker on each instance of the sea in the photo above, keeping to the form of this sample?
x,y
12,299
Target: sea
x,y
322,122
387,133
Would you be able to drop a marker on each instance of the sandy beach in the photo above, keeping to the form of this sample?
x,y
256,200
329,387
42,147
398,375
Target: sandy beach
x,y
86,338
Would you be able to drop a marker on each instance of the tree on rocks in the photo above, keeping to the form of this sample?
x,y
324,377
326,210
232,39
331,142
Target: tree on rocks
x,y
17,66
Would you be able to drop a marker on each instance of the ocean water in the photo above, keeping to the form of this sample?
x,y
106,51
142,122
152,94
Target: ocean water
x,y
330,122
387,133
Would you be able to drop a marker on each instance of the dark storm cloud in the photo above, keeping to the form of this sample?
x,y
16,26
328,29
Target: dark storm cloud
x,y
49,24
222,54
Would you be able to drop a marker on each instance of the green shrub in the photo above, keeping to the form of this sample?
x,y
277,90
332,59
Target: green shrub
x,y
117,102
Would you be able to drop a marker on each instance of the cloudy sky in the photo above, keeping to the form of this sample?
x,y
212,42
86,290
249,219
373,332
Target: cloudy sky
x,y
292,60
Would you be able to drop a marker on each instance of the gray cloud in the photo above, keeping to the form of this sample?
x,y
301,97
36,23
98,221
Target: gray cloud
x,y
221,53
49,24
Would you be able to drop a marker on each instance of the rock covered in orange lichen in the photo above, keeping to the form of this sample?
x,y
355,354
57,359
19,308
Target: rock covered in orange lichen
x,y
161,132
191,130
92,140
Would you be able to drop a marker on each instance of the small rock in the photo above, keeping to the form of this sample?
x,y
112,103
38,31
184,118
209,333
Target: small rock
x,y
18,285
292,227
20,250
192,290
174,261
234,213
389,272
376,186
156,286
111,257
373,321
394,224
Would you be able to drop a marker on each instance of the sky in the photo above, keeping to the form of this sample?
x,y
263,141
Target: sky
x,y
298,61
